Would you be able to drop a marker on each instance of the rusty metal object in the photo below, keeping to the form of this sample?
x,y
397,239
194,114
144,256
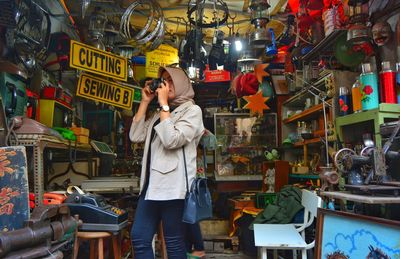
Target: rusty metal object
x,y
49,228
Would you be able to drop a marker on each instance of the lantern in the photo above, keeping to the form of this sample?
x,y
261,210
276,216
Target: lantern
x,y
97,24
259,18
358,33
247,62
110,35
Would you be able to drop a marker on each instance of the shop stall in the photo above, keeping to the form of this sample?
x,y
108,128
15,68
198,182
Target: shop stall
x,y
295,128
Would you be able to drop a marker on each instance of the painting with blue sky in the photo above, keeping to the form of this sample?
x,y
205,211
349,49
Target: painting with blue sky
x,y
355,238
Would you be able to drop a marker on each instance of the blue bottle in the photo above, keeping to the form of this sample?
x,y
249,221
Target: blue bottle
x,y
344,101
369,88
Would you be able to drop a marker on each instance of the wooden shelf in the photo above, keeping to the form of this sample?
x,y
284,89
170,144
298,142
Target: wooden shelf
x,y
306,114
312,141
304,176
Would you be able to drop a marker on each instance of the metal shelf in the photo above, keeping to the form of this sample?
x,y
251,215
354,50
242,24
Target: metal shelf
x,y
304,176
323,45
39,143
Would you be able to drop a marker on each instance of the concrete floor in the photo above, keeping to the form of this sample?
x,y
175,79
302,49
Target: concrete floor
x,y
229,256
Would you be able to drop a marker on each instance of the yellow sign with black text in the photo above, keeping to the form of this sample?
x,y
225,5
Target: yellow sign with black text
x,y
162,56
97,61
105,91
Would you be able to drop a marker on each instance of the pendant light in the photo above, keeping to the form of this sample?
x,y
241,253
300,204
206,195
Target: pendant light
x,y
97,24
259,18
358,33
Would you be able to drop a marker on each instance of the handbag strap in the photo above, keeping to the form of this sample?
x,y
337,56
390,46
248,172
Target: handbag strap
x,y
184,161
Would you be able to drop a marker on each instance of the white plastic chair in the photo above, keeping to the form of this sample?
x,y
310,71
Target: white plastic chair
x,y
288,236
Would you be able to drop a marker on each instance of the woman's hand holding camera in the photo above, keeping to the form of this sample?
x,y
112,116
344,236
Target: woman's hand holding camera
x,y
147,94
162,93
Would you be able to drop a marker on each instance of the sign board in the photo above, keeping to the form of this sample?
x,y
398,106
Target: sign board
x,y
162,56
212,76
14,191
105,91
97,61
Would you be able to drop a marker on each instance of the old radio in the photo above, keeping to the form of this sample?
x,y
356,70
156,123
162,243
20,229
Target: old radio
x,y
55,114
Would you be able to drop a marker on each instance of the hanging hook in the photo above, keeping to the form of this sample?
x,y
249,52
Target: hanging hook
x,y
233,23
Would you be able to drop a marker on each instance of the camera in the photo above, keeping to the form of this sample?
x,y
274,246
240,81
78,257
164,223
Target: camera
x,y
218,37
155,84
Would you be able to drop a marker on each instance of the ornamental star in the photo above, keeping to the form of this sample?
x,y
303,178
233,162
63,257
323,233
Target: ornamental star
x,y
256,103
259,71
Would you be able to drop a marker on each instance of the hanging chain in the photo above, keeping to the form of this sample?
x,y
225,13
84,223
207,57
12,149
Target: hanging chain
x,y
215,14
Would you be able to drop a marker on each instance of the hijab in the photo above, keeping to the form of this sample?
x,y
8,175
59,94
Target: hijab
x,y
183,88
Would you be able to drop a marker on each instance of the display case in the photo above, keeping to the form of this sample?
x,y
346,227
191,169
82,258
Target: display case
x,y
241,143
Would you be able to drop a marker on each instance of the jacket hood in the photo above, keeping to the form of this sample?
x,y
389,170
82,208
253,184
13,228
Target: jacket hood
x,y
183,88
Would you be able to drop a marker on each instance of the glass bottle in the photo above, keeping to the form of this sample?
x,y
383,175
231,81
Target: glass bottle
x,y
356,96
299,129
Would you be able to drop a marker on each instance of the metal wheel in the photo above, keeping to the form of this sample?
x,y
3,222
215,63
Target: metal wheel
x,y
339,158
366,151
31,36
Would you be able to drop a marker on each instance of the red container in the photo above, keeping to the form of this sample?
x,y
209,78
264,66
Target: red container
x,y
387,89
33,110
54,93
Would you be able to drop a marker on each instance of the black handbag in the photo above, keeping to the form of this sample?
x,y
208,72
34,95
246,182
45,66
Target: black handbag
x,y
198,204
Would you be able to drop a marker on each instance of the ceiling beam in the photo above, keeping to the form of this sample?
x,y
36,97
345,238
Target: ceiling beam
x,y
245,5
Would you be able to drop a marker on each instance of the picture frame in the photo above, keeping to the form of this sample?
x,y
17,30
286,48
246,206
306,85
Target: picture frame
x,y
280,84
14,189
351,236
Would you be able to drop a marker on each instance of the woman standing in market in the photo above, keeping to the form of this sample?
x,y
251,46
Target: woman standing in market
x,y
175,129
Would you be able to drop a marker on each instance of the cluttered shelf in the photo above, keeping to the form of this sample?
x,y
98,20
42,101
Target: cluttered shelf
x,y
50,142
238,177
297,99
312,141
304,176
323,45
306,114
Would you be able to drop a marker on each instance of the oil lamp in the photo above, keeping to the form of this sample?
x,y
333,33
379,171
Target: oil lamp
x,y
97,24
358,33
259,18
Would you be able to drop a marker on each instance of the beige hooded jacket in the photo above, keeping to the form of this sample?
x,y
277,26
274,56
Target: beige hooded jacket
x,y
184,128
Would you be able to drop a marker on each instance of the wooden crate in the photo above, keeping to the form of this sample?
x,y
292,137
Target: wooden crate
x,y
214,227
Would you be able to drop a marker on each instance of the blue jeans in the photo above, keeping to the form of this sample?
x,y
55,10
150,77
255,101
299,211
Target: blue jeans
x,y
194,238
147,219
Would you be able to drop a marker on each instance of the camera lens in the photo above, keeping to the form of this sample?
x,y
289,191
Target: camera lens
x,y
155,84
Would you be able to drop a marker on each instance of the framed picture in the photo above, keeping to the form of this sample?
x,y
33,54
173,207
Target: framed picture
x,y
280,84
14,191
350,236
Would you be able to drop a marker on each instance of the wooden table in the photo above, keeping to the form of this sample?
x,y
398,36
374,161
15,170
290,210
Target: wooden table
x,y
368,199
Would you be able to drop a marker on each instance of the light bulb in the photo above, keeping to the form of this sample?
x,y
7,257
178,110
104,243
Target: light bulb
x,y
238,45
192,72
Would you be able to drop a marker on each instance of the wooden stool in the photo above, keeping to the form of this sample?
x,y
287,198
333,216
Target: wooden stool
x,y
92,237
160,237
